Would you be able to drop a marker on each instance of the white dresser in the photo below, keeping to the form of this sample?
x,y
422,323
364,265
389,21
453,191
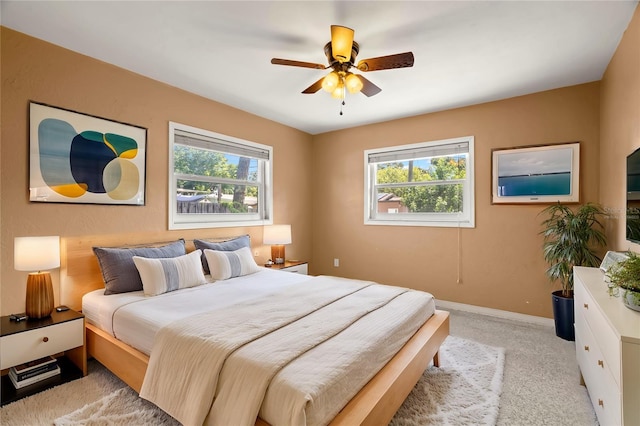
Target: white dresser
x,y
608,349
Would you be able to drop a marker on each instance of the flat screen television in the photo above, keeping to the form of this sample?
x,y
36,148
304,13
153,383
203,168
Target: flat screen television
x,y
633,196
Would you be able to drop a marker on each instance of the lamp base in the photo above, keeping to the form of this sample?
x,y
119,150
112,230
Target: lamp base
x,y
39,300
277,254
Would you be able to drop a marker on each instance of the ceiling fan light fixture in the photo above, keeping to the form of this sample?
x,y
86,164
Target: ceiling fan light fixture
x,y
341,43
353,83
341,52
338,93
330,82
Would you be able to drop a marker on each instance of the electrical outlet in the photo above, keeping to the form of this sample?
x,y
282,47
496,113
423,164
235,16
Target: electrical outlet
x,y
336,262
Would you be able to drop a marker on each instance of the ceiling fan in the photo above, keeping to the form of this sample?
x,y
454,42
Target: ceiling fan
x,y
341,53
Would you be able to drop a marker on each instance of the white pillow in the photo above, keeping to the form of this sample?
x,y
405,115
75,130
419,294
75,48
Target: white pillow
x,y
229,264
169,273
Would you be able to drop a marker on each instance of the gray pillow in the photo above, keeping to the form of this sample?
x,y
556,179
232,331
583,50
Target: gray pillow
x,y
230,245
118,269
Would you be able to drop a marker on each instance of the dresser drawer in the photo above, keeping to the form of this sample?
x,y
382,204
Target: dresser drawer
x,y
608,341
26,346
614,328
603,389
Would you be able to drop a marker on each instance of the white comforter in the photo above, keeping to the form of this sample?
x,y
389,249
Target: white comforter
x,y
311,375
135,318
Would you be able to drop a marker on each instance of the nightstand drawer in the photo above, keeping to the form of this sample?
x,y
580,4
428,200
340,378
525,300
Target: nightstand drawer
x,y
300,269
23,347
295,266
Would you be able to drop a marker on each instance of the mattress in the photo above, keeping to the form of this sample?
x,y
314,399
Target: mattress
x,y
315,386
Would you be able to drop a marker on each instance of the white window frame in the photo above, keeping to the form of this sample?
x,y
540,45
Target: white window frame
x,y
464,219
265,184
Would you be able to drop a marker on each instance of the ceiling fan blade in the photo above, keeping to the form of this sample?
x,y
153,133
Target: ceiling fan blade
x,y
399,60
277,61
368,88
341,43
314,87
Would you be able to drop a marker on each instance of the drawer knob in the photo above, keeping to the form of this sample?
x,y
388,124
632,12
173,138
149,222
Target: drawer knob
x,y
45,339
586,306
601,363
586,348
601,403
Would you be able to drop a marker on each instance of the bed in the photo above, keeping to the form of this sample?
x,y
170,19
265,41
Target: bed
x,y
373,402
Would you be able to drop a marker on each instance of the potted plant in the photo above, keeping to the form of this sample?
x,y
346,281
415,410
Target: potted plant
x,y
626,276
571,238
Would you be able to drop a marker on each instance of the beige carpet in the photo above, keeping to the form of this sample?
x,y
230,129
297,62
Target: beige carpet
x,y
464,391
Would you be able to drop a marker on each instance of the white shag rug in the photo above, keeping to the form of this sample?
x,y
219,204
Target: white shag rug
x,y
465,390
121,407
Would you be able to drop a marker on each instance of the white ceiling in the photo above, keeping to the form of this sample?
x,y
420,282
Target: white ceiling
x,y
466,52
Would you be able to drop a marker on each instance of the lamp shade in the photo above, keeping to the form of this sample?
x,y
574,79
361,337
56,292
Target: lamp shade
x,y
330,82
277,234
341,43
36,253
353,83
338,93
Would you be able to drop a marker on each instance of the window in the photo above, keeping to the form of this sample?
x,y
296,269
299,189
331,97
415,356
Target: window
x,y
424,184
217,180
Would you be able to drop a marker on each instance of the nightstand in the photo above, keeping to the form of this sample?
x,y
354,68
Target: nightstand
x,y
24,341
292,266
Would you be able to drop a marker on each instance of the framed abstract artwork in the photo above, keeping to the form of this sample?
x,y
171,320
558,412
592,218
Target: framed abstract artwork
x,y
536,174
79,158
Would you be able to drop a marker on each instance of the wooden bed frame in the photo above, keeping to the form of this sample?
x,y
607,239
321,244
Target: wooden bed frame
x,y
376,403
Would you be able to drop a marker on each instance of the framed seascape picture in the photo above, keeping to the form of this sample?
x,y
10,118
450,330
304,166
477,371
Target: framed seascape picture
x,y
536,174
79,158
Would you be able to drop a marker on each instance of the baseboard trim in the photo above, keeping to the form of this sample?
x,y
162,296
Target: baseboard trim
x,y
444,304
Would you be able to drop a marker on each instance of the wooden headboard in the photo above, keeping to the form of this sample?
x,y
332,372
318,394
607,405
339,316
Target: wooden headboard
x,y
79,269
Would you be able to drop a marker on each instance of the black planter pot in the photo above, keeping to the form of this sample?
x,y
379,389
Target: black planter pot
x,y
563,315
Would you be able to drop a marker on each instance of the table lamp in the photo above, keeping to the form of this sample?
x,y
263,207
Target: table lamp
x,y
277,236
37,254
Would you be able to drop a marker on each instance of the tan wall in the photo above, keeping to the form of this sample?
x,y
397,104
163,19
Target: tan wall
x,y
39,71
500,261
320,191
620,129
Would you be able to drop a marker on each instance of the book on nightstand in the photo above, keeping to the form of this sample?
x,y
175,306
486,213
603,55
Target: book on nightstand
x,y
33,372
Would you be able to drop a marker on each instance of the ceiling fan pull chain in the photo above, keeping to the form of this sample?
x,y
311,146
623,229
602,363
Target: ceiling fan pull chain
x,y
341,105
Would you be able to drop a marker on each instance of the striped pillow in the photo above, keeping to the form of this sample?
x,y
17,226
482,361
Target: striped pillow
x,y
229,245
229,264
169,274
